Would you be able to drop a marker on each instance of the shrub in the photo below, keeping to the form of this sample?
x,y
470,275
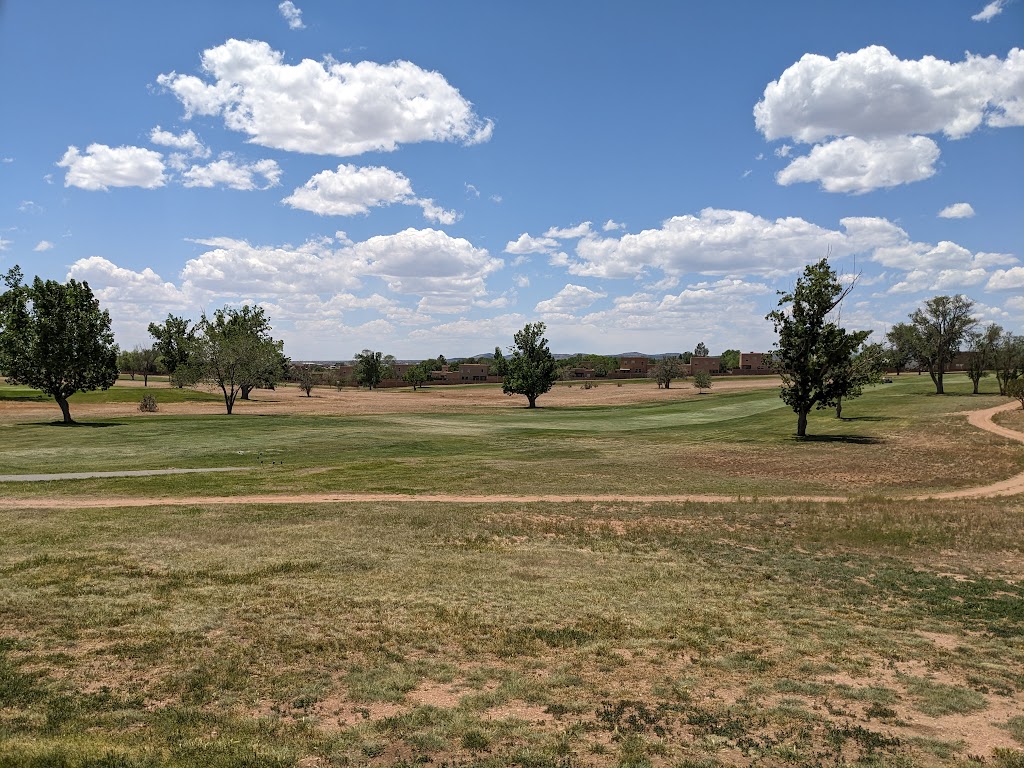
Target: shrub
x,y
148,404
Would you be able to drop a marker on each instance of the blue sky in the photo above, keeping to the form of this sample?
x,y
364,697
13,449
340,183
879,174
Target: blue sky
x,y
425,178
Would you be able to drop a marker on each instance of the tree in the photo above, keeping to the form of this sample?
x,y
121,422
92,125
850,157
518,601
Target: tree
x,y
981,346
863,368
1015,389
128,362
175,345
811,348
702,380
939,327
499,365
729,360
54,337
700,350
665,370
1008,360
231,354
417,375
306,378
141,361
372,368
902,344
531,369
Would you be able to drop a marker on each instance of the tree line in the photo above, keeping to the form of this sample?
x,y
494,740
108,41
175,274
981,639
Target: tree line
x,y
55,337
821,363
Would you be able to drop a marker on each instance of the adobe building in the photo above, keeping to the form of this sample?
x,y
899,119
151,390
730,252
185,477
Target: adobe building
x,y
468,373
710,364
634,367
755,362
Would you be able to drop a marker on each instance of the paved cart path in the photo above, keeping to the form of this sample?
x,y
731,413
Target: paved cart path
x,y
982,419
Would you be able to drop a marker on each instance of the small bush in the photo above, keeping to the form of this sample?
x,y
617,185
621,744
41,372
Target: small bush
x,y
148,404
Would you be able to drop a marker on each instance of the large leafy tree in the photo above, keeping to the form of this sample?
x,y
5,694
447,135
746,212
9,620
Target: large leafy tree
x,y
498,365
54,337
812,349
175,343
234,351
141,361
939,327
1008,360
666,369
729,360
863,368
373,367
531,369
902,341
982,346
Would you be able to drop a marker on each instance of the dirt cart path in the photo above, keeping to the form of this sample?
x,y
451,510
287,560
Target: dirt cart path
x,y
982,419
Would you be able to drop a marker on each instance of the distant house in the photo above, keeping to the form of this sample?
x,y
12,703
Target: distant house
x,y
755,362
634,367
709,364
468,373
581,373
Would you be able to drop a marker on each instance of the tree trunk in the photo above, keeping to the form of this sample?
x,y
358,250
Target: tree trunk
x,y
246,389
64,409
533,400
839,408
937,378
976,382
801,424
145,380
229,400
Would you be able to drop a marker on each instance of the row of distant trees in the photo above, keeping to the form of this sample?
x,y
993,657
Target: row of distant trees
x,y
56,338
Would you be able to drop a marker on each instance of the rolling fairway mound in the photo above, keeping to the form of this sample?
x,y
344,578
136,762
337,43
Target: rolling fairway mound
x,y
601,633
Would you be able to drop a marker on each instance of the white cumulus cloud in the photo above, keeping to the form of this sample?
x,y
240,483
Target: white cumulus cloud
x,y
229,172
874,94
328,107
887,105
119,286
428,263
528,244
1006,280
857,166
351,190
569,233
990,11
957,211
43,245
186,142
236,268
102,167
291,14
569,300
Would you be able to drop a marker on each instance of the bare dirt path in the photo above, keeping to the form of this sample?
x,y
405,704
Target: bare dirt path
x,y
982,419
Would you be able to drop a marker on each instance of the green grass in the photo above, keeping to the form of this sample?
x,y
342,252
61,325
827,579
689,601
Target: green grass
x,y
190,636
738,443
756,633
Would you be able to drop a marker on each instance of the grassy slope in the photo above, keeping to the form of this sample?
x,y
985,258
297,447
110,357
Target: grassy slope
x,y
533,635
792,633
720,443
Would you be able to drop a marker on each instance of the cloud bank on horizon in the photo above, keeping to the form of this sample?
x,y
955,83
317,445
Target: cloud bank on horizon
x,y
310,169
